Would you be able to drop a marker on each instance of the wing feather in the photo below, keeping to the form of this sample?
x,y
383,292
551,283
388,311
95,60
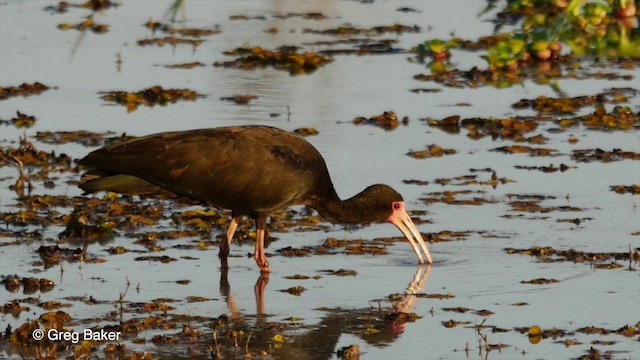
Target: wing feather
x,y
245,168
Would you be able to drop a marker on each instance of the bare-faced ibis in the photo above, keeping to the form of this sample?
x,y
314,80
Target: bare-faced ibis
x,y
251,170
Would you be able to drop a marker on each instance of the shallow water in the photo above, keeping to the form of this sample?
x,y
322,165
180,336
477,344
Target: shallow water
x,y
476,269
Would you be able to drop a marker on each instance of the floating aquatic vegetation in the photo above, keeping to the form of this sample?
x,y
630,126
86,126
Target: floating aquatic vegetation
x,y
340,272
245,17
376,30
190,65
184,31
589,155
624,189
536,50
387,120
540,281
293,252
431,151
521,149
620,118
546,169
507,128
452,323
170,40
152,96
569,105
304,15
600,260
26,156
472,179
463,310
86,138
454,198
295,290
95,5
533,206
20,120
190,36
87,24
284,58
240,99
24,89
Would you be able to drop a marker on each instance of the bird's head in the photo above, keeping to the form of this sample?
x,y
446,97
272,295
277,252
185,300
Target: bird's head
x,y
388,205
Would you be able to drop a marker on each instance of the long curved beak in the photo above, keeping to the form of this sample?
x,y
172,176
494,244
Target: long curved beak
x,y
402,221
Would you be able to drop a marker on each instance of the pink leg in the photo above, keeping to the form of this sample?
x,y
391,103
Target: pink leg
x,y
259,256
224,245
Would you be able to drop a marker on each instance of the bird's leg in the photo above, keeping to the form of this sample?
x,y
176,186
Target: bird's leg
x,y
225,244
259,255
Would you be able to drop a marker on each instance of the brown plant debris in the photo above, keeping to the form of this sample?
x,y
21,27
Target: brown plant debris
x,y
95,5
556,106
377,30
190,65
435,296
152,96
22,90
512,128
87,24
86,138
387,120
520,149
341,272
168,29
20,120
28,155
307,16
533,206
452,323
624,189
472,179
240,99
162,259
540,281
431,151
546,169
284,58
454,198
588,155
600,260
620,118
170,40
245,17
295,290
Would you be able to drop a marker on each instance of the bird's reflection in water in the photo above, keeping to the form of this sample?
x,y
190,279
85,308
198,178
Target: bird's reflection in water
x,y
375,325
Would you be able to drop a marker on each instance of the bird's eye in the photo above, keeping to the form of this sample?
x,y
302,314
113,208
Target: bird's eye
x,y
396,205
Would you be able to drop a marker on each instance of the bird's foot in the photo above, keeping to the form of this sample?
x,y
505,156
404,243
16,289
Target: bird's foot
x,y
263,264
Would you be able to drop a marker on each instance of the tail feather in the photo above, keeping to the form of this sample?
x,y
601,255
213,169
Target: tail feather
x,y
98,180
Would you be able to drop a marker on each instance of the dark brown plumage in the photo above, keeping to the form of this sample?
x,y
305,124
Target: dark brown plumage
x,y
251,170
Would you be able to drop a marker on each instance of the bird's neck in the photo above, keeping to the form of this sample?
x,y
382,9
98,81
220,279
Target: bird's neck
x,y
350,211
